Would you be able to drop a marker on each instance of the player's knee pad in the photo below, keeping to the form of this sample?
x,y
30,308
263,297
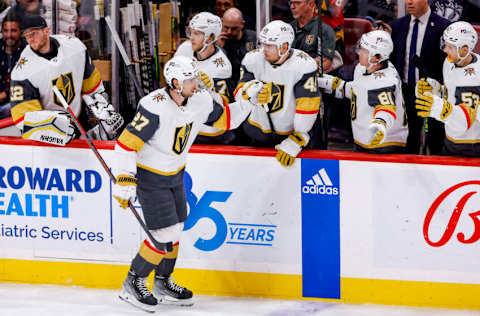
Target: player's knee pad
x,y
168,234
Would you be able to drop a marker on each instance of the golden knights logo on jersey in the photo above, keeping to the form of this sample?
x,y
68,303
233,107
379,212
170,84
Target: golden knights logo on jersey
x,y
64,83
278,94
180,138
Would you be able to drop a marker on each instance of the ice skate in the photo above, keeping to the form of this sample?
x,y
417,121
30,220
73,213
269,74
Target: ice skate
x,y
168,292
136,293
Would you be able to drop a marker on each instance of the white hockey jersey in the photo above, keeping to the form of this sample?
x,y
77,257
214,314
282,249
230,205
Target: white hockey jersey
x,y
463,92
218,68
34,76
162,132
373,95
295,97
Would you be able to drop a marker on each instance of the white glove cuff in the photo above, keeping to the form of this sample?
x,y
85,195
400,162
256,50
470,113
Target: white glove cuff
x,y
289,146
437,108
348,89
387,117
339,91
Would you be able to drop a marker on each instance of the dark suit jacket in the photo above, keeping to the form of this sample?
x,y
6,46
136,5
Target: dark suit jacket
x,y
431,56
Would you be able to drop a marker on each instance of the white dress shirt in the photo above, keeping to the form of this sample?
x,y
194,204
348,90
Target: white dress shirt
x,y
422,26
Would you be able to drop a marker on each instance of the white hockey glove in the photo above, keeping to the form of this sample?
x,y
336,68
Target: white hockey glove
x,y
289,148
332,84
429,105
378,131
53,127
250,91
125,189
104,112
428,85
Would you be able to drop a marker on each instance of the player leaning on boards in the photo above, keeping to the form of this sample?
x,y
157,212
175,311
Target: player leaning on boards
x,y
60,61
289,98
379,121
205,28
456,103
151,155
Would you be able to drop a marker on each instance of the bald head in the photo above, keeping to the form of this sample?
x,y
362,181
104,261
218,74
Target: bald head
x,y
233,14
233,23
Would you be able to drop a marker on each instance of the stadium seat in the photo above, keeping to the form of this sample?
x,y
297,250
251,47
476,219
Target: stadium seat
x,y
354,28
477,47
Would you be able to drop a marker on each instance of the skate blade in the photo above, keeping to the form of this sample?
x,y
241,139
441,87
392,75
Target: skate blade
x,y
126,297
167,300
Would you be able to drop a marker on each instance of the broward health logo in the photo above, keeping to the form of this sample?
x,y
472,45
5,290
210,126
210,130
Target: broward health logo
x,y
235,234
320,183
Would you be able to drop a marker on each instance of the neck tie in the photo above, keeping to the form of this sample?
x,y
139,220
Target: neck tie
x,y
413,51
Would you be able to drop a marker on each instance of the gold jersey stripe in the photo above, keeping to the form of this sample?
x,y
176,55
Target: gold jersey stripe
x,y
308,104
267,131
91,83
463,141
220,132
388,108
131,141
19,110
150,255
223,121
163,173
398,144
173,254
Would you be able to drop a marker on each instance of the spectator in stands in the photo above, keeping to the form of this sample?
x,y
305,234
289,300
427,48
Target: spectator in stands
x,y
332,14
417,54
235,40
11,46
27,7
306,30
448,9
221,6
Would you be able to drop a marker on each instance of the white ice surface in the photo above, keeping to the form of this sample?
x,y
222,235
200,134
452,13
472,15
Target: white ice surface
x,y
42,300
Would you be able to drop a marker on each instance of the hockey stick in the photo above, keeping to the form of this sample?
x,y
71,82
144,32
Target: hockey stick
x,y
322,111
424,131
160,246
126,60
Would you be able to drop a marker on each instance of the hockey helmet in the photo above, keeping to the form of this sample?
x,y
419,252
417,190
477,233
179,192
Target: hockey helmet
x,y
181,68
207,23
377,43
460,34
276,33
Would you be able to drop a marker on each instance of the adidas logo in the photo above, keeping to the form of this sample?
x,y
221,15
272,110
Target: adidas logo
x,y
320,183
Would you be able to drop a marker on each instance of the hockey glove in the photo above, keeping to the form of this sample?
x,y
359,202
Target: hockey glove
x,y
332,84
104,112
378,130
251,90
428,85
53,127
289,148
265,95
205,81
433,106
124,190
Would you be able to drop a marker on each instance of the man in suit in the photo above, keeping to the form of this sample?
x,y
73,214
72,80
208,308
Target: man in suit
x,y
415,59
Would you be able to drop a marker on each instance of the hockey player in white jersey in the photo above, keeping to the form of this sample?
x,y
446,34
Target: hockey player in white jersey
x,y
205,28
379,122
60,61
456,103
151,156
289,99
